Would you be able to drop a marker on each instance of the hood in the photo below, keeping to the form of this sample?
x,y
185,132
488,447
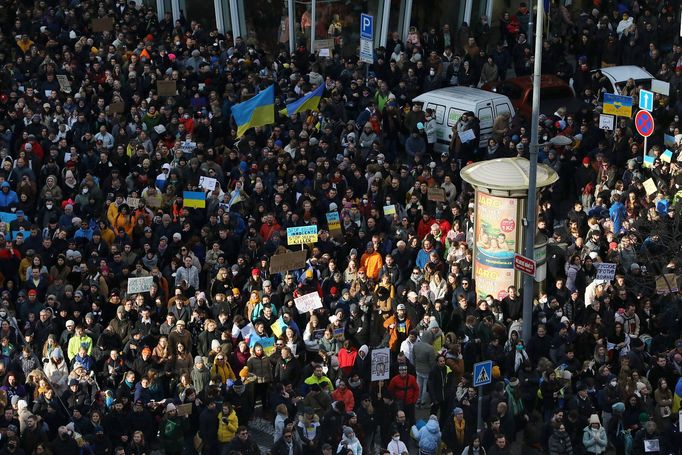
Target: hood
x,y
5,184
432,426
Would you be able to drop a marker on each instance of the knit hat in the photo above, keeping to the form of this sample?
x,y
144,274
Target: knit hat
x,y
594,418
433,324
198,359
171,407
618,407
643,417
347,431
457,411
215,344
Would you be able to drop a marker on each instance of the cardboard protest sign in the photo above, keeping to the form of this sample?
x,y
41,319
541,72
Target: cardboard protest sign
x,y
166,88
102,24
133,202
288,261
436,194
117,108
184,409
665,284
141,284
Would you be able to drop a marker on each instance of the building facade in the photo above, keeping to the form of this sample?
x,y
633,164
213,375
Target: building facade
x,y
277,24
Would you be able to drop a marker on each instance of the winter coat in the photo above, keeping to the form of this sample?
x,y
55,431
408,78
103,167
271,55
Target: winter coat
x,y
261,368
57,375
594,442
560,443
228,429
428,436
404,389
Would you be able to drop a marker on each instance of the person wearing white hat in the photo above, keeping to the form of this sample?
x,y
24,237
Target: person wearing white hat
x,y
594,436
172,430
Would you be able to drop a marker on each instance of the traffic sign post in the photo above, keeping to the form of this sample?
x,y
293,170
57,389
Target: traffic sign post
x,y
483,375
523,264
366,39
646,100
644,123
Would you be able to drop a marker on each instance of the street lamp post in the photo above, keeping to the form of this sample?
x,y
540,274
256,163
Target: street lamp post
x,y
529,251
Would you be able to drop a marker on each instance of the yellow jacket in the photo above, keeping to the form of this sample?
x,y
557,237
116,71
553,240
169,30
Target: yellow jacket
x,y
224,372
227,431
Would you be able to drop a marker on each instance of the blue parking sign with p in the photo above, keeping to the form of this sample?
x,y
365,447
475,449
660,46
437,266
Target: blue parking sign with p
x,y
366,26
483,373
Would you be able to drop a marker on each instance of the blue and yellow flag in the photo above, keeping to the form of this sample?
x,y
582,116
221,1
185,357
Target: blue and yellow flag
x,y
196,199
310,102
258,111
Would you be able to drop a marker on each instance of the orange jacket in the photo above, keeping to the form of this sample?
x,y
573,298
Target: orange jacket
x,y
372,264
394,327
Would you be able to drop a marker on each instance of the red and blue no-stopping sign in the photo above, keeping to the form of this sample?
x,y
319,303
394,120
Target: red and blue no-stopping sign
x,y
644,122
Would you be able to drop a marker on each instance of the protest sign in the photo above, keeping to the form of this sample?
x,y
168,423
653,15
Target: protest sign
x,y
467,135
301,235
649,186
288,261
605,271
389,210
667,283
334,224
140,284
64,83
133,202
308,302
436,194
188,147
117,108
102,24
166,88
184,409
207,183
381,364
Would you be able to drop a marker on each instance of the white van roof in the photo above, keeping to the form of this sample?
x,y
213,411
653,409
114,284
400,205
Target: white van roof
x,y
468,94
618,74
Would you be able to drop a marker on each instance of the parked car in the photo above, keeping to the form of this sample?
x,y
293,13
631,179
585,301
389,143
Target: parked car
x,y
554,93
615,77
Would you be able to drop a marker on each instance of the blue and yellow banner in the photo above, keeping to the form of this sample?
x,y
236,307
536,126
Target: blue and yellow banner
x,y
258,111
617,105
301,235
309,102
195,199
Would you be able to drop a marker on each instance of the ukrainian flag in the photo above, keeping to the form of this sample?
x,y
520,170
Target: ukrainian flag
x,y
196,199
258,111
309,102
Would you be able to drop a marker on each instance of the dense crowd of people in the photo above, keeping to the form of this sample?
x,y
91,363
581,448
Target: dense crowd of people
x,y
95,163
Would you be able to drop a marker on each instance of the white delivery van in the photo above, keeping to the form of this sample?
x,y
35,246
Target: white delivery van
x,y
451,102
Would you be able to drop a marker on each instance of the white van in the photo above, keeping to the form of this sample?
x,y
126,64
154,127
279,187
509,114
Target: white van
x,y
451,102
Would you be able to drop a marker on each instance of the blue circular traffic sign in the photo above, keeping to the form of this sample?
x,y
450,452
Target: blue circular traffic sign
x,y
644,122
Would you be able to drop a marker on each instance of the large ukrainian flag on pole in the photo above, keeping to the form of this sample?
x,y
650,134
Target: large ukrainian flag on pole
x,y
258,111
309,102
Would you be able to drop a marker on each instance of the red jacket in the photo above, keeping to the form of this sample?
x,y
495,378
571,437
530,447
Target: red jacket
x,y
405,389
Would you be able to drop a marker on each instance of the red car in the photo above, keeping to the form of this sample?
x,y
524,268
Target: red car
x,y
554,93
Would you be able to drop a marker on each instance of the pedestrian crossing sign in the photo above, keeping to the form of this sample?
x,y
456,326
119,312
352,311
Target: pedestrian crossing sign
x,y
483,373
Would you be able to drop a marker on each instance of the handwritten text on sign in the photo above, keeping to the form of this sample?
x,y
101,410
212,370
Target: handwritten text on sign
x,y
141,284
301,235
308,302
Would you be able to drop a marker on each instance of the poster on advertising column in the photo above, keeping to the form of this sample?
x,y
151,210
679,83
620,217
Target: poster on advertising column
x,y
495,236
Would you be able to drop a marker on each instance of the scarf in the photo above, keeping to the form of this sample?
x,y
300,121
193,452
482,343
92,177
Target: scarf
x,y
459,430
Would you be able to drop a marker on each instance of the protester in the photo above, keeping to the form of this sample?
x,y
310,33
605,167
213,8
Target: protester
x,y
153,297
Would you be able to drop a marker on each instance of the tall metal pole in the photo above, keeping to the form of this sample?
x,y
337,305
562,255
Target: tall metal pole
x,y
530,23
531,208
479,420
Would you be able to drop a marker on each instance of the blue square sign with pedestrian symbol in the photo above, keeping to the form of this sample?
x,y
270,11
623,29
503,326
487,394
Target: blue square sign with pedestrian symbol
x,y
483,373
